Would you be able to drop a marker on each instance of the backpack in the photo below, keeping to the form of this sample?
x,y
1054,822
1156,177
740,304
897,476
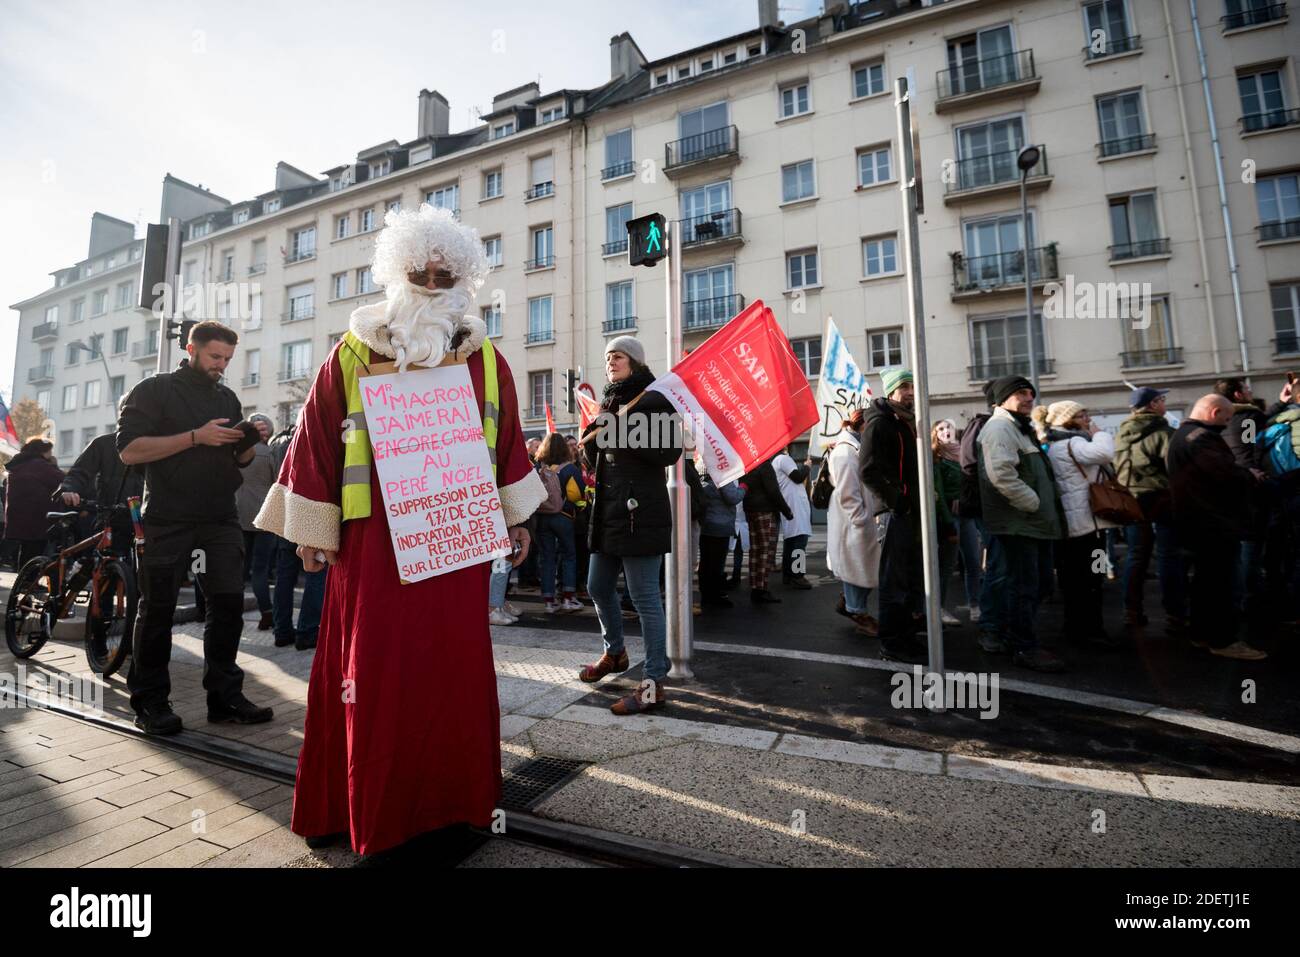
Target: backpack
x,y
554,502
968,498
1279,442
823,487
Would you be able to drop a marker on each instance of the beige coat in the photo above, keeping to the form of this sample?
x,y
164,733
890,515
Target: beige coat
x,y
852,549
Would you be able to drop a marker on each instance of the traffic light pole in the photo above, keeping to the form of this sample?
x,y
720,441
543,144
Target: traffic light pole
x,y
681,626
173,311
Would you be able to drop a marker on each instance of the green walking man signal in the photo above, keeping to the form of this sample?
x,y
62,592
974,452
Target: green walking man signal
x,y
645,240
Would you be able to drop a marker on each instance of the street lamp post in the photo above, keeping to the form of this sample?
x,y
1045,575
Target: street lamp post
x,y
1026,160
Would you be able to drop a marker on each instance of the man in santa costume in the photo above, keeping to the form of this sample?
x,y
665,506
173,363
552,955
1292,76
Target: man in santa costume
x,y
402,730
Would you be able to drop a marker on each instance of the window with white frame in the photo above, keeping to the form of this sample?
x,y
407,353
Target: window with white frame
x,y
116,389
492,319
492,184
365,284
539,389
1122,127
706,212
1263,99
874,166
252,367
542,175
43,399
92,393
78,310
869,79
797,181
540,328
801,269
1106,28
367,220
420,154
618,154
272,205
551,114
120,337
809,354
99,302
72,354
695,125
241,216
343,226
259,256
1285,298
295,360
96,343
254,310
198,230
1278,200
492,249
444,197
88,434
884,349
302,301
339,287
227,265
616,219
1000,345
66,438
503,129
380,167
1135,227
303,244
69,398
52,315
543,248
1148,332
880,255
794,100
124,294
393,205
619,313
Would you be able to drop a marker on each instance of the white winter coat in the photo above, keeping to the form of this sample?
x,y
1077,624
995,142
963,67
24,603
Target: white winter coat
x,y
1072,484
795,495
852,549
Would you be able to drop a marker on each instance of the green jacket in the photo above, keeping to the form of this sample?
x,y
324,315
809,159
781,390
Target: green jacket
x,y
1141,443
947,486
1017,487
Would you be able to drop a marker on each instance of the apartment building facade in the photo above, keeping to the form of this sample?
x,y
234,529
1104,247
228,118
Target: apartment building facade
x,y
775,151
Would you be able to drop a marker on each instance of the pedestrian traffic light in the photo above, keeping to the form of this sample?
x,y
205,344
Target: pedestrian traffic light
x,y
645,240
570,386
181,330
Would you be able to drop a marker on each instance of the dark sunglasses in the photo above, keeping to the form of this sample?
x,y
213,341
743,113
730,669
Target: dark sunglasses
x,y
442,279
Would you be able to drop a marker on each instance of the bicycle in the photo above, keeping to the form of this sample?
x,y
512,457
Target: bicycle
x,y
44,591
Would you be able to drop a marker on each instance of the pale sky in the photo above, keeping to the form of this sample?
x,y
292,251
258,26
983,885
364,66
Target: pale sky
x,y
99,100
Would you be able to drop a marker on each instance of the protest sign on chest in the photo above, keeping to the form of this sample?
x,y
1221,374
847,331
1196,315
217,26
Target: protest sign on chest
x,y
440,496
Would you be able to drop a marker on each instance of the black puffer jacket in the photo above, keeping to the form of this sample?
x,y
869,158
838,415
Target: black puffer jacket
x,y
627,475
763,493
887,458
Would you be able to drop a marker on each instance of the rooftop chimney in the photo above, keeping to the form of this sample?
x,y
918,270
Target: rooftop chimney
x,y
108,232
435,113
767,13
625,57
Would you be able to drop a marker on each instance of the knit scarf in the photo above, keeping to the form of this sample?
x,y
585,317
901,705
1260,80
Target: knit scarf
x,y
619,394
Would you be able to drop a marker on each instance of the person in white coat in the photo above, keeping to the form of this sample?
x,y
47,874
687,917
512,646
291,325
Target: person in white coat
x,y
852,542
1078,452
790,479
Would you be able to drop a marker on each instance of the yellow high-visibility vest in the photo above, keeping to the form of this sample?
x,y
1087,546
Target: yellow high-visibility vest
x,y
357,455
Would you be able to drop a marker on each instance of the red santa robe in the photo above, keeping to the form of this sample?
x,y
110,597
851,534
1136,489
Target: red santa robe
x,y
402,728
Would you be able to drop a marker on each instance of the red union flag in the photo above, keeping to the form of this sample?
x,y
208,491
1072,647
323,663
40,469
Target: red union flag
x,y
588,409
742,394
550,422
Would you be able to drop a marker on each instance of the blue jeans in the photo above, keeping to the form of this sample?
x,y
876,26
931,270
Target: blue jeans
x,y
287,569
641,573
1248,582
1019,561
498,583
993,587
855,598
1171,567
970,543
556,531
259,549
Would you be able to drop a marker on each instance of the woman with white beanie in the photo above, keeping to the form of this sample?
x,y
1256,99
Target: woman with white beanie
x,y
1078,451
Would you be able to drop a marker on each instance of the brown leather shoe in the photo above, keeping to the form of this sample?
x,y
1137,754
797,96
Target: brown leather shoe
x,y
606,664
649,696
866,625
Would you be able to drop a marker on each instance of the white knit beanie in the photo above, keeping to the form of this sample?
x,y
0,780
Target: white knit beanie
x,y
629,346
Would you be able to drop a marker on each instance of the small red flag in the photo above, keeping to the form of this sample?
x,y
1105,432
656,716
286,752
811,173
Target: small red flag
x,y
550,422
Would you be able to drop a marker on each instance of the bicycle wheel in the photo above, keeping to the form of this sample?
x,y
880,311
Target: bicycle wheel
x,y
109,629
29,616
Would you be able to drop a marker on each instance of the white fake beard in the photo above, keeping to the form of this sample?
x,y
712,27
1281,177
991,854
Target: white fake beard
x,y
421,322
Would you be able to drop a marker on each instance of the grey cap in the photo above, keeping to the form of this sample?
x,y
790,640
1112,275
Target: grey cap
x,y
629,346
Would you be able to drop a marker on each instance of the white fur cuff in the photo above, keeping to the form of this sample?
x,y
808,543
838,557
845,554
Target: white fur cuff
x,y
301,520
520,500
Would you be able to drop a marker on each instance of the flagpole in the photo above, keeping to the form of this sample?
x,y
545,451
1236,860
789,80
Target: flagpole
x,y
681,625
916,340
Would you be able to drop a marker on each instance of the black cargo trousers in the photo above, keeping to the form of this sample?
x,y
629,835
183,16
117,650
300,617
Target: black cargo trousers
x,y
214,551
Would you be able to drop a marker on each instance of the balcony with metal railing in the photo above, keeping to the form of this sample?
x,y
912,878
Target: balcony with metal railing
x,y
1139,249
299,255
976,276
977,81
1287,344
626,168
1282,229
710,313
253,378
544,262
294,374
1122,145
709,229
1254,16
979,176
1113,48
614,248
1269,120
144,350
41,373
995,369
1142,358
539,190
256,269
45,330
622,324
539,336
297,315
712,147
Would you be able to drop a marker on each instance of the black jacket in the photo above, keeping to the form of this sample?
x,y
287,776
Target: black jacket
x,y
887,458
1211,492
763,494
99,474
197,484
626,475
1250,454
968,499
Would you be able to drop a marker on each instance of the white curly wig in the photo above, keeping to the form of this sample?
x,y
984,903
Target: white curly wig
x,y
410,239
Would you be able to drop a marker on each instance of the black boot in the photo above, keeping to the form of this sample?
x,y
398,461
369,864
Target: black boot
x,y
158,719
239,710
